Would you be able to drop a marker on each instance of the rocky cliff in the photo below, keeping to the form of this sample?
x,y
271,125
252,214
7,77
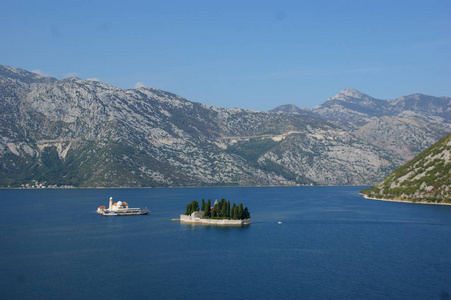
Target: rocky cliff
x,y
87,133
426,178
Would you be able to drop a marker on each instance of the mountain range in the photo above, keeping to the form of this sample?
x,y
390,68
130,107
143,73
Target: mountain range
x,y
89,134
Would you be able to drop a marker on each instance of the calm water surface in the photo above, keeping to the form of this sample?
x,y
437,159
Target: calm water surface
x,y
332,244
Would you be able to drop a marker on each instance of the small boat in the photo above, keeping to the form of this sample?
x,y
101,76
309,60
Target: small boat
x,y
279,222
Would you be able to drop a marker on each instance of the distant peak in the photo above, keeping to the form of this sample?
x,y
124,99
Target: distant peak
x,y
285,108
346,94
291,109
351,93
23,75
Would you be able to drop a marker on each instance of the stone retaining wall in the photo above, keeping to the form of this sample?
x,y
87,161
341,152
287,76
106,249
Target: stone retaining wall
x,y
193,220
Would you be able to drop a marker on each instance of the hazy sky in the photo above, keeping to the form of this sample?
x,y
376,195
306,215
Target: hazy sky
x,y
249,54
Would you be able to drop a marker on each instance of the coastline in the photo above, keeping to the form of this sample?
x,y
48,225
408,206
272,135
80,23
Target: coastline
x,y
403,201
176,187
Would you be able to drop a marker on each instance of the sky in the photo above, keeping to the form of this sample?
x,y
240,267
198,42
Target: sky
x,y
249,54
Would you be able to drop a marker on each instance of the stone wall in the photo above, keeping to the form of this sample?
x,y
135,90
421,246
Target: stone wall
x,y
193,220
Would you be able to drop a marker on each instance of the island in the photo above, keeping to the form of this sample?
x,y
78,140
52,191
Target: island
x,y
221,213
120,208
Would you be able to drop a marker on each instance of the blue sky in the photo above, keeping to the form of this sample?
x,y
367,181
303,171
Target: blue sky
x,y
248,54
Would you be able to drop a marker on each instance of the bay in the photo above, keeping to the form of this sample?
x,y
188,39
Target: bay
x,y
331,244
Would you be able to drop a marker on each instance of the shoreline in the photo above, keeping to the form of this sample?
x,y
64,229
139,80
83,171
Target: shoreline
x,y
216,222
177,187
403,201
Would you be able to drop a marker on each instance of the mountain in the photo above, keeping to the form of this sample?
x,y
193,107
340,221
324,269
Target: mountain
x,y
24,76
352,106
406,125
89,134
358,109
291,109
426,178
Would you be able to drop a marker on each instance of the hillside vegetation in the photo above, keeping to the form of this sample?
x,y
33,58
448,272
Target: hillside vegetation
x,y
426,178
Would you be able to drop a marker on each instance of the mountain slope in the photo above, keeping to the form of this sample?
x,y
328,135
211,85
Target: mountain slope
x,y
358,109
406,125
291,109
351,106
426,178
87,133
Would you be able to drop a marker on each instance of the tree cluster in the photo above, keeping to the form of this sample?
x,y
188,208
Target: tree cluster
x,y
222,210
192,207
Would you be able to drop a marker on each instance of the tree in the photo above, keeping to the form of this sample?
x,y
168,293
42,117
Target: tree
x,y
240,211
188,209
223,209
203,205
207,211
195,206
246,214
220,210
233,215
192,207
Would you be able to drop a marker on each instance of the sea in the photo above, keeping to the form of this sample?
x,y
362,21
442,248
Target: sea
x,y
303,243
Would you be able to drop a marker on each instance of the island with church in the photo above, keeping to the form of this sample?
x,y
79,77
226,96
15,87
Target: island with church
x,y
220,213
120,208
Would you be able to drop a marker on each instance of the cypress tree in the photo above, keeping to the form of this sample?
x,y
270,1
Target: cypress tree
x,y
233,216
207,211
188,209
218,206
240,211
220,210
195,206
246,214
223,209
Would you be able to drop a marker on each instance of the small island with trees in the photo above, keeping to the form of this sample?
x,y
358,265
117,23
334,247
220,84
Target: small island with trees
x,y
220,213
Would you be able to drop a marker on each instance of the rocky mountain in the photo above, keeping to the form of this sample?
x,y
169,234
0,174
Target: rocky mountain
x,y
90,134
426,178
406,125
291,109
351,106
24,76
358,109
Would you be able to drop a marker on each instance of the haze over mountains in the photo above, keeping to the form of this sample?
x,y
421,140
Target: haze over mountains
x,y
90,134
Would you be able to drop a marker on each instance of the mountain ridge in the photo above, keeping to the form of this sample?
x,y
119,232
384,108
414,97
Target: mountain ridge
x,y
412,102
90,134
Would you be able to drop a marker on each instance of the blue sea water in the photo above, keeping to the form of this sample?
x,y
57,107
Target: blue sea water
x,y
332,244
